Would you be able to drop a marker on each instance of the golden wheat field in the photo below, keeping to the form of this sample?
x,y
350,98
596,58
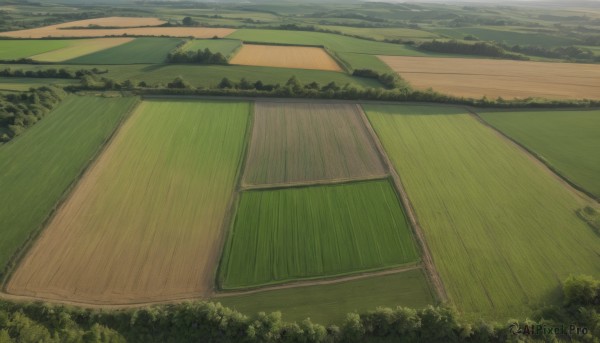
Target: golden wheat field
x,y
145,222
121,26
475,78
285,57
304,142
80,47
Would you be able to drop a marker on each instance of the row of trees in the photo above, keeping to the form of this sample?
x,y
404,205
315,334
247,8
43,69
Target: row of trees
x,y
200,57
20,111
570,53
480,49
210,322
388,80
51,73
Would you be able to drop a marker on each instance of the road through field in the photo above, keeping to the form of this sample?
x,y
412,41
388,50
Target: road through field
x,y
144,224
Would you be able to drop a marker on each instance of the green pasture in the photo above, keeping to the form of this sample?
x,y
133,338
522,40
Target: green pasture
x,y
140,50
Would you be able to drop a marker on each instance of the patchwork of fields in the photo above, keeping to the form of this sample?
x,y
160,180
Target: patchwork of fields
x,y
307,232
39,166
303,142
145,221
285,57
476,78
567,140
502,230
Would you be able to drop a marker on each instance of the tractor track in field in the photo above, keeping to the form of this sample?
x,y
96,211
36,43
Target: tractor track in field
x,y
323,182
427,259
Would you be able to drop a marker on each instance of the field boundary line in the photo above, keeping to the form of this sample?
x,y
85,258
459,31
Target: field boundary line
x,y
301,184
229,219
427,260
14,262
540,160
315,282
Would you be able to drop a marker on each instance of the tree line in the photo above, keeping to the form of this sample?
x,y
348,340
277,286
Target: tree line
x,y
51,73
199,57
211,322
480,49
22,110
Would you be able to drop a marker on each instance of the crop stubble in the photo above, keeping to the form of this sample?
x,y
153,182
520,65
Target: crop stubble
x,y
143,223
303,142
470,77
285,57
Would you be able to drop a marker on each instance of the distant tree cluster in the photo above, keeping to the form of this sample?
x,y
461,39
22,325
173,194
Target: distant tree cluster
x,y
480,49
570,53
388,80
200,57
20,111
210,322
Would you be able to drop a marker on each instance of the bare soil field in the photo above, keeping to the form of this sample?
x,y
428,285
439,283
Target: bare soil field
x,y
475,78
302,142
285,57
80,48
145,222
127,26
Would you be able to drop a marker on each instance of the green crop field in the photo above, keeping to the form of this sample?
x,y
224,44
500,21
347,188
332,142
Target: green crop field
x,y
502,231
25,83
363,61
331,302
334,42
381,33
38,166
15,49
145,221
296,233
140,50
211,75
568,140
224,46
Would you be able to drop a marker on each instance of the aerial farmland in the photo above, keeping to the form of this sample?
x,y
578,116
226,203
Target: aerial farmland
x,y
299,172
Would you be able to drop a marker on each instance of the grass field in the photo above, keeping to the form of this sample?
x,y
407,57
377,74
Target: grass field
x,y
334,42
300,142
211,75
22,84
38,166
80,47
285,57
140,50
330,303
499,78
15,49
381,33
296,233
145,222
568,140
364,61
502,230
224,46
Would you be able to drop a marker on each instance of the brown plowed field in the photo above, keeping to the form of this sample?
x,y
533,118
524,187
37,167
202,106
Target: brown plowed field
x,y
285,57
298,142
475,78
128,26
145,222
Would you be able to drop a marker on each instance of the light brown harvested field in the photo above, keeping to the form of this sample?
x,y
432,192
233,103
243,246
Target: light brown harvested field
x,y
114,22
79,48
285,57
303,142
499,78
127,29
145,222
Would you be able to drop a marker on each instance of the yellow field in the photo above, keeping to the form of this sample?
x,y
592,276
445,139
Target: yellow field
x,y
129,26
475,78
145,222
80,48
285,57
